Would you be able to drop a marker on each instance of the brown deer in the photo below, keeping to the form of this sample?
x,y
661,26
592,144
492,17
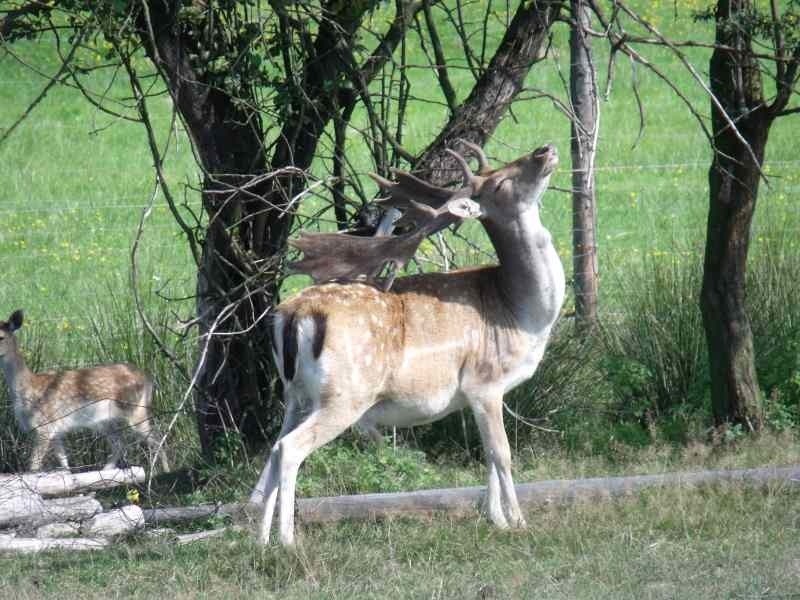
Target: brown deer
x,y
350,353
106,398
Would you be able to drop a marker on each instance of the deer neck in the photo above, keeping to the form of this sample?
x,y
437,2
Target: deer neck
x,y
17,373
531,278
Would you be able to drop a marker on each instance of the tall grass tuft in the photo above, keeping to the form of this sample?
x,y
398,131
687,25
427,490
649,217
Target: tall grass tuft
x,y
655,350
773,296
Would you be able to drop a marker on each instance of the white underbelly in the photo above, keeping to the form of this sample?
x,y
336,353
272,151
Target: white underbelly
x,y
409,411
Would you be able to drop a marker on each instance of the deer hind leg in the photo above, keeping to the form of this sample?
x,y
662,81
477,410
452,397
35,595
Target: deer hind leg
x,y
291,418
320,427
149,433
41,446
501,505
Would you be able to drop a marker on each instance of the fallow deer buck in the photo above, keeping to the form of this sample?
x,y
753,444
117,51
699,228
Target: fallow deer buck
x,y
106,398
350,353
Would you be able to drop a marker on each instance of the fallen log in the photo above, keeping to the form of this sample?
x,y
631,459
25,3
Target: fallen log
x,y
59,530
463,502
119,521
189,538
180,514
17,503
57,483
21,506
10,544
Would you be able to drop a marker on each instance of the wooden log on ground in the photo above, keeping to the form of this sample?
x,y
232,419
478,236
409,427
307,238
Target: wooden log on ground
x,y
188,538
58,530
180,514
73,508
21,506
115,522
466,501
58,483
10,544
17,503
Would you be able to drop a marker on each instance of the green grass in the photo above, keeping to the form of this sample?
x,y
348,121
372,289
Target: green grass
x,y
720,542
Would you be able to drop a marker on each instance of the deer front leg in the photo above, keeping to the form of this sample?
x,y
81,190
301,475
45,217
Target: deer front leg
x,y
149,433
501,504
61,453
117,447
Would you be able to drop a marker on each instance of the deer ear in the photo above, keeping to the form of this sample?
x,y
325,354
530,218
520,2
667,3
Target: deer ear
x,y
464,208
15,320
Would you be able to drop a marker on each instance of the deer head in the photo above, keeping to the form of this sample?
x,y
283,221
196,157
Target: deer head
x,y
7,328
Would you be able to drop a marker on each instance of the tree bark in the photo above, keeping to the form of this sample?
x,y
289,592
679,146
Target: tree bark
x,y
583,94
733,180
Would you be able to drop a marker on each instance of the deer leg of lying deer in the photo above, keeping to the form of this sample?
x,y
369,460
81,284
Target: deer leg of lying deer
x,y
501,505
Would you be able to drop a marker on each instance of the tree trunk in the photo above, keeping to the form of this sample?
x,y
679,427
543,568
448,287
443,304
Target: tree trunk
x,y
583,94
733,188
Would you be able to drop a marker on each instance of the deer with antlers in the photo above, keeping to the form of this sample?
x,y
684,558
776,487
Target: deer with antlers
x,y
351,352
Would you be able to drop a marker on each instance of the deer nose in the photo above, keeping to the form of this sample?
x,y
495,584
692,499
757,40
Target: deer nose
x,y
546,149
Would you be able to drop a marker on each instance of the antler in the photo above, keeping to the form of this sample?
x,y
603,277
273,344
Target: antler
x,y
483,162
329,256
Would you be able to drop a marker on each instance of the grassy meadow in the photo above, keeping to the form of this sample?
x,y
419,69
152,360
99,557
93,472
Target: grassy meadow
x,y
76,183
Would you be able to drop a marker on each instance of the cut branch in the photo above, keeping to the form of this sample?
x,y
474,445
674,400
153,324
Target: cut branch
x,y
55,483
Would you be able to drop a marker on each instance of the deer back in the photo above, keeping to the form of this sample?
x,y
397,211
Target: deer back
x,y
67,399
86,397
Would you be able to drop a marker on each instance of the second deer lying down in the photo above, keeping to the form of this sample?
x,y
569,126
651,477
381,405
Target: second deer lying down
x,y
107,398
350,353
